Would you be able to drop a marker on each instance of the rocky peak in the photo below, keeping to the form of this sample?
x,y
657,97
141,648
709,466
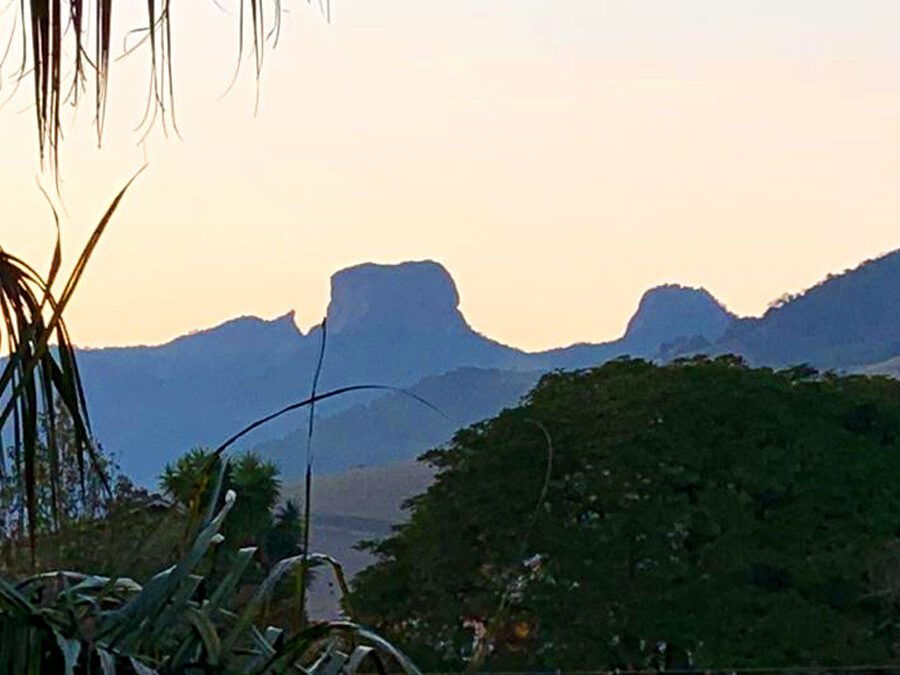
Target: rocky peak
x,y
669,312
377,298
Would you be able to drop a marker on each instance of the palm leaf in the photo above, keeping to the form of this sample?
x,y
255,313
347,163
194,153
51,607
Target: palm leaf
x,y
37,375
55,53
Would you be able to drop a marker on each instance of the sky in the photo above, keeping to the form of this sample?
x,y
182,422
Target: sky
x,y
559,157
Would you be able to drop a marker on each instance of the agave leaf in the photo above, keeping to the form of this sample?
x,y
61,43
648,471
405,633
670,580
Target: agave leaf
x,y
263,643
212,608
256,603
292,649
218,479
71,650
107,662
226,588
332,662
157,628
13,601
336,567
141,668
359,656
208,634
123,623
273,633
323,657
379,643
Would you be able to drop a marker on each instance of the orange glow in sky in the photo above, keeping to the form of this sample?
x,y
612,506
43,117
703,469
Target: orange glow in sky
x,y
558,156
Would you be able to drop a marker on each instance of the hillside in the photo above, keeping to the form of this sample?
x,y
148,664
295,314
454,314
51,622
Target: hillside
x,y
396,427
847,320
694,515
388,324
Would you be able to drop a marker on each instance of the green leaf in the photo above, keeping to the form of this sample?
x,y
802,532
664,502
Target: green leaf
x,y
71,650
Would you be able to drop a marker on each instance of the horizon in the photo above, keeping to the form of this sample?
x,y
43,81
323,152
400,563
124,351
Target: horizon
x,y
563,152
306,329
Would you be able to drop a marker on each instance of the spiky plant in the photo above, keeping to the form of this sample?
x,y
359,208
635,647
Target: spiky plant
x,y
178,622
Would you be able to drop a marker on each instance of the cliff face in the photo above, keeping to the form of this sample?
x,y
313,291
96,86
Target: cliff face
x,y
415,296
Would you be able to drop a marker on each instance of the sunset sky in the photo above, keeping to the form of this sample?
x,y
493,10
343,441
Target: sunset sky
x,y
558,156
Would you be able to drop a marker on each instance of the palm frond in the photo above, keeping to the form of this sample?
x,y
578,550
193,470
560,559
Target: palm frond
x,y
55,51
40,373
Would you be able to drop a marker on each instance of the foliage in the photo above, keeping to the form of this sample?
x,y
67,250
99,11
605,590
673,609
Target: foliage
x,y
36,378
73,495
845,321
136,535
56,53
187,481
699,514
286,534
123,532
178,622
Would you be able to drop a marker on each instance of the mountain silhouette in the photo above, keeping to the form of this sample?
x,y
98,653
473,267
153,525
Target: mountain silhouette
x,y
395,325
666,315
846,321
397,427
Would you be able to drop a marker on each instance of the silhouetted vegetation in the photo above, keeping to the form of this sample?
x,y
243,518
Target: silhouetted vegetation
x,y
847,320
700,514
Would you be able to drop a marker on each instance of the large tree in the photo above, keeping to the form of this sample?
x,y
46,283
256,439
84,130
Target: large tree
x,y
702,513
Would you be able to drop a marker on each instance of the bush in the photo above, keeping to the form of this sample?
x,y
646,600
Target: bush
x,y
177,622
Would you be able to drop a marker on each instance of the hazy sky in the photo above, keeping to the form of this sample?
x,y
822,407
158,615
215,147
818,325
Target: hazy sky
x,y
558,156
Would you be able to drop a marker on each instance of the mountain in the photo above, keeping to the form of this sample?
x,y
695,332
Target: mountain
x,y
671,312
391,325
666,315
397,427
150,404
844,322
396,325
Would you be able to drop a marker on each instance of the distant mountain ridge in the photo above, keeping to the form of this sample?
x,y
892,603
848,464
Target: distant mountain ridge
x,y
389,324
846,321
397,427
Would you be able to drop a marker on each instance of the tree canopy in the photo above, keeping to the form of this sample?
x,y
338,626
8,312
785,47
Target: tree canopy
x,y
701,513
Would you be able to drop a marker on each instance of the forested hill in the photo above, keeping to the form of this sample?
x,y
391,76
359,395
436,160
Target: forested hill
x,y
697,515
847,320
